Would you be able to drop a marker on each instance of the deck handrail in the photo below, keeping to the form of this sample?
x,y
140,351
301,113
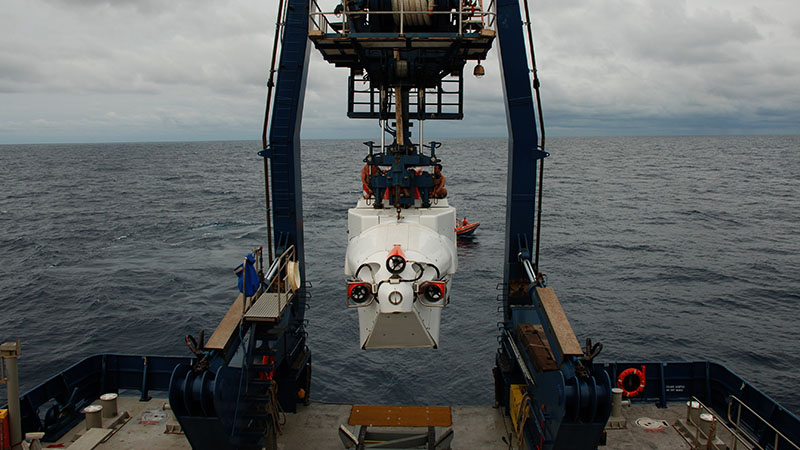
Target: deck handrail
x,y
738,433
274,274
315,10
491,16
717,420
737,424
318,19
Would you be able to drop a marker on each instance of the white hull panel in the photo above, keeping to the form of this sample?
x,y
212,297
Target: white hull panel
x,y
398,315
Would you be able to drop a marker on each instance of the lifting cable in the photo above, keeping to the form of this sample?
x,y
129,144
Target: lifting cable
x,y
270,85
541,134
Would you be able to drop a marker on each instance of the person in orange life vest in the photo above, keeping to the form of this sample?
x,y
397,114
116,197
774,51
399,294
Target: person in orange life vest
x,y
367,173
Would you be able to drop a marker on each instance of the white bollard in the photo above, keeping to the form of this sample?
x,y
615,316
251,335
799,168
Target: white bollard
x,y
616,402
93,416
694,411
706,420
109,402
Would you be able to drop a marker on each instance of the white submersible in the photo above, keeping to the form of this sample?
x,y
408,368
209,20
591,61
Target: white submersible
x,y
399,272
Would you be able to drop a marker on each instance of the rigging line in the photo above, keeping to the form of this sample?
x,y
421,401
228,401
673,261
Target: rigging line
x,y
538,218
535,75
270,82
536,85
270,85
268,209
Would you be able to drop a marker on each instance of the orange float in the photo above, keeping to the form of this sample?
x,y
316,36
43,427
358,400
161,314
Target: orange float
x,y
628,373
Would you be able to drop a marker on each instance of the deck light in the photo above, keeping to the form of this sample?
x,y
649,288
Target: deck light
x,y
479,72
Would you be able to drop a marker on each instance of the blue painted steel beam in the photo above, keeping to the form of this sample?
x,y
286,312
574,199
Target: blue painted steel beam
x,y
575,408
284,147
229,400
284,135
522,152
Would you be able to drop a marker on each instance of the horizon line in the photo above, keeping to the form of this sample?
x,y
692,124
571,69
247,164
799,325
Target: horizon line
x,y
258,140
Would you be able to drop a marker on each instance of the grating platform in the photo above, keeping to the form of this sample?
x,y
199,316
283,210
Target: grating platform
x,y
268,307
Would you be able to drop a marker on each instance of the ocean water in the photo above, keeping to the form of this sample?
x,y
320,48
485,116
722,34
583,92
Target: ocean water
x,y
661,248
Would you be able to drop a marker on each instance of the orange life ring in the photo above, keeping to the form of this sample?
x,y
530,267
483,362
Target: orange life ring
x,y
625,374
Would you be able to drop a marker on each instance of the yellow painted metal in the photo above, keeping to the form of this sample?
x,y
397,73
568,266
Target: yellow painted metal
x,y
5,438
516,392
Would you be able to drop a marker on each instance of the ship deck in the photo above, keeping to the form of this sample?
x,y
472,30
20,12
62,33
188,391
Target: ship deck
x,y
152,425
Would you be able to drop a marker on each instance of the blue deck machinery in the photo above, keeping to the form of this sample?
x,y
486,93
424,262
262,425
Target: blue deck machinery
x,y
406,60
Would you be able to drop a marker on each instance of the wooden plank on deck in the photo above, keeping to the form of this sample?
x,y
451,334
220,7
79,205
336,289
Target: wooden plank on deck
x,y
536,345
227,326
400,416
90,439
565,337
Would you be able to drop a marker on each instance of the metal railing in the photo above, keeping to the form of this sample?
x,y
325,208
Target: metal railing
x,y
491,18
443,101
779,437
735,430
318,20
278,276
470,17
699,433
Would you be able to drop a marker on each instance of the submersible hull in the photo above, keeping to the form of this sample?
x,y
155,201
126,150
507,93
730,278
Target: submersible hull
x,y
400,305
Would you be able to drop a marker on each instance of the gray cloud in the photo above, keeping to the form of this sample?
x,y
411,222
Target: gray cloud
x,y
114,70
144,7
760,16
662,61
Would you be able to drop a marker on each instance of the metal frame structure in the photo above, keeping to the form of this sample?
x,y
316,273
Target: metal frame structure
x,y
398,59
257,363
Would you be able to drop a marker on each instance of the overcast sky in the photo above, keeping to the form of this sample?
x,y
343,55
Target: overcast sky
x,y
152,70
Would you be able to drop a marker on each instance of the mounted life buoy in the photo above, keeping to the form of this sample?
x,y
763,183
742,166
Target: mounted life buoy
x,y
631,381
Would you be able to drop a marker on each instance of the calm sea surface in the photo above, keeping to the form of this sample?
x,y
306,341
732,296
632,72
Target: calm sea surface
x,y
666,248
